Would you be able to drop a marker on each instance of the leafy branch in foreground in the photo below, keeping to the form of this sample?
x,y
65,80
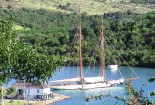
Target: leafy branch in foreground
x,y
152,80
5,48
20,61
131,97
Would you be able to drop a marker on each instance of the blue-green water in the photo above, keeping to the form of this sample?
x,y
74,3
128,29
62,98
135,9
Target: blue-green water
x,y
77,96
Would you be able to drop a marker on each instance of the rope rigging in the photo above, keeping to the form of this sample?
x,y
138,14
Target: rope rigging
x,y
112,46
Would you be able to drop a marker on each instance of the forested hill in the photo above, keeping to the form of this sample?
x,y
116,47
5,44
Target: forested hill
x,y
56,33
92,7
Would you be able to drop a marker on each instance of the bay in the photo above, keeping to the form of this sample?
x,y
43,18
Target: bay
x,y
77,96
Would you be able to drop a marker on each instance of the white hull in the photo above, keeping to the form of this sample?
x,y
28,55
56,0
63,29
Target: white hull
x,y
89,86
83,87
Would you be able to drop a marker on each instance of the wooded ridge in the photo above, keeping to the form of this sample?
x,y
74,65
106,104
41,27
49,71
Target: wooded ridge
x,y
56,33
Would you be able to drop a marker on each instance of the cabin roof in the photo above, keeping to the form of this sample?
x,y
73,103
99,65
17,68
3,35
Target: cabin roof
x,y
37,85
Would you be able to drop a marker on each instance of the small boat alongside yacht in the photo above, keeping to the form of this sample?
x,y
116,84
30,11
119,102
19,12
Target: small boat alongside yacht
x,y
112,66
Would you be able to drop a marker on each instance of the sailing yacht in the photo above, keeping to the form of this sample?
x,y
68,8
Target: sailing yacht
x,y
89,82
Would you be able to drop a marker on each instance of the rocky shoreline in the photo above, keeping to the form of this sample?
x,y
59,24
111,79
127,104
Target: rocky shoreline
x,y
57,98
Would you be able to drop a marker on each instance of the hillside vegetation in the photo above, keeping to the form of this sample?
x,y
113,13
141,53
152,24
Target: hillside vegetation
x,y
92,7
55,33
51,27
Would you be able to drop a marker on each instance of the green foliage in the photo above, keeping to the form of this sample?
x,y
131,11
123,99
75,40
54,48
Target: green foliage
x,y
5,50
14,102
4,92
65,7
93,7
128,34
143,1
8,0
20,61
1,6
11,91
152,79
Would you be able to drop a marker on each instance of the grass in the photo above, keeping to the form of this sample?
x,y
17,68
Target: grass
x,y
119,1
14,103
92,7
18,27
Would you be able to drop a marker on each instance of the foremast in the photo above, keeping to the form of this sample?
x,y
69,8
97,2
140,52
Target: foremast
x,y
80,44
102,49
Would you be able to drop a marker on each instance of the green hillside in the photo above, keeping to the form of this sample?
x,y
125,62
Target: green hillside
x,y
56,33
90,6
51,27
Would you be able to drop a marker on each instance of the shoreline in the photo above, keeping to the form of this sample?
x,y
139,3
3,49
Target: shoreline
x,y
57,98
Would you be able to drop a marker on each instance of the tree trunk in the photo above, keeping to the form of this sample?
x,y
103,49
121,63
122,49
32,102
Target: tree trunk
x,y
2,97
12,100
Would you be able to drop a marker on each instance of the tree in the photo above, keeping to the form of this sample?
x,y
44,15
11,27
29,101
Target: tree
x,y
3,93
20,61
11,91
5,47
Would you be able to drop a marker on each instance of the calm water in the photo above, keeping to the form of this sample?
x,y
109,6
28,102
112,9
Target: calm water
x,y
77,96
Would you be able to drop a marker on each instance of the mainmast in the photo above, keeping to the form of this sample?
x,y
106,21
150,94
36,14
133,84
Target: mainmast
x,y
80,41
102,49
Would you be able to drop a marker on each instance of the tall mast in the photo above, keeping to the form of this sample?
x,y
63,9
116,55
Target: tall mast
x,y
80,41
102,49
